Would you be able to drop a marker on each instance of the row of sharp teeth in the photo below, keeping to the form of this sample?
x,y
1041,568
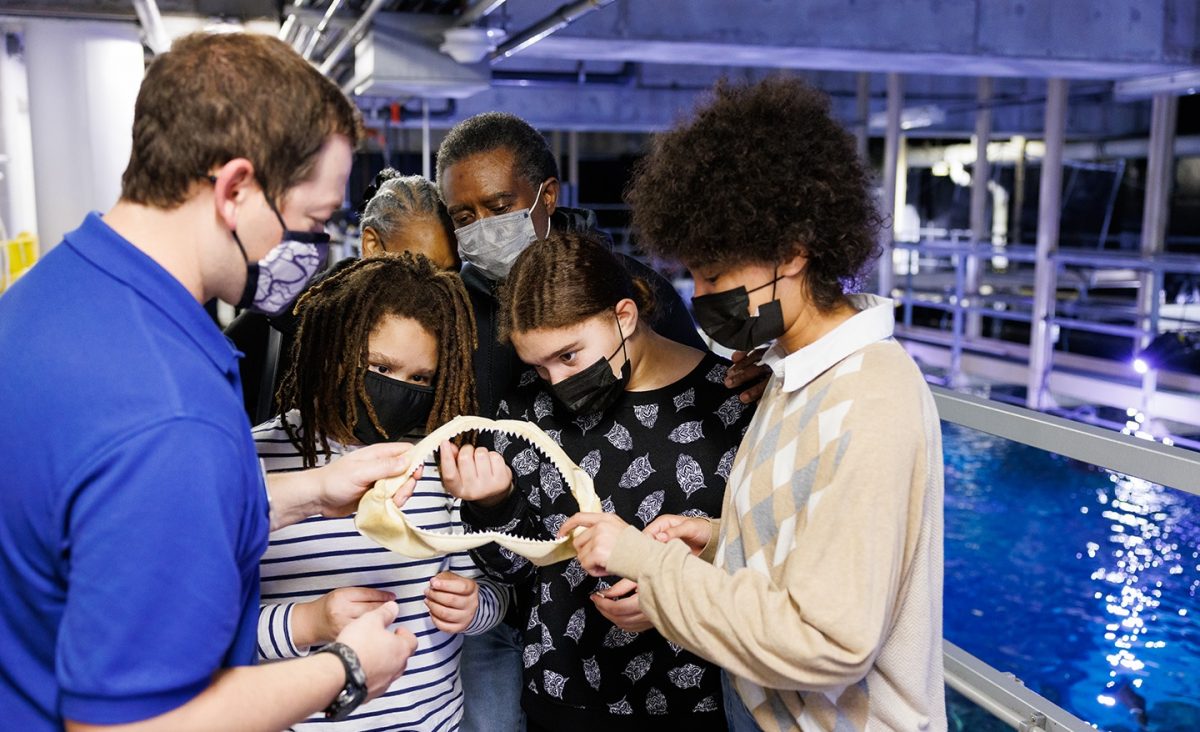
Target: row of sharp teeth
x,y
501,533
511,433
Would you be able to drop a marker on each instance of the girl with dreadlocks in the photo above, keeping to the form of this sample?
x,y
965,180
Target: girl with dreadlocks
x,y
397,214
383,352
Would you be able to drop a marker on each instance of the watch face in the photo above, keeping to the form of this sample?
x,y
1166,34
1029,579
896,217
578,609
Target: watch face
x,y
355,690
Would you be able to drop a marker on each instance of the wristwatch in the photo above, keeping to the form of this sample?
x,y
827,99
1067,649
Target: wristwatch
x,y
355,690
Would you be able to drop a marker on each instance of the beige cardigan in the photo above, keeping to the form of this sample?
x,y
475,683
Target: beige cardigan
x,y
824,596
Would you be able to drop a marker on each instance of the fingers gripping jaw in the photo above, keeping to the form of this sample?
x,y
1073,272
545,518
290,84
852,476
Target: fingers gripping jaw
x,y
380,520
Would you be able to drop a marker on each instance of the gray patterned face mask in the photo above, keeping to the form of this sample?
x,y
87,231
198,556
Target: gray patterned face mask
x,y
274,283
492,244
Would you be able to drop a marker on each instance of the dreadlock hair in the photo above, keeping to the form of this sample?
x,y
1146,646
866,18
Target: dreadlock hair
x,y
329,354
565,279
393,199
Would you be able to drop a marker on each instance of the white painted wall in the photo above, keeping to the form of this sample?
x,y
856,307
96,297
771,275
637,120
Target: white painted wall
x,y
18,205
83,79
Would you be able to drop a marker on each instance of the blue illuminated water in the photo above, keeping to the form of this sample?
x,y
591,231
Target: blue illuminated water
x,y
1078,581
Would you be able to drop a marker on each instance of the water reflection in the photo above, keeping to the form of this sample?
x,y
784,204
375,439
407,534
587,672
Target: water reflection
x,y
1141,554
1080,582
1139,546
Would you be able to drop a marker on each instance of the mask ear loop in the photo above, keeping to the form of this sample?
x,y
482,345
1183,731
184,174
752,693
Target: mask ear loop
x,y
536,200
213,179
623,339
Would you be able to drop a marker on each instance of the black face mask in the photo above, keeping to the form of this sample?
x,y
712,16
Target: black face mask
x,y
725,317
595,388
401,407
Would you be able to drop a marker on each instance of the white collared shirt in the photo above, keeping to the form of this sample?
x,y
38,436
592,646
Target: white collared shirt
x,y
875,321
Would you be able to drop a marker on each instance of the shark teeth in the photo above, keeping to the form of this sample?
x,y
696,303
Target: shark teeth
x,y
380,520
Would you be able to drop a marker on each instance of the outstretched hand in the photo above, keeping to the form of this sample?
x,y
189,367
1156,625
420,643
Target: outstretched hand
x,y
335,489
474,473
319,621
344,480
747,371
695,532
452,601
595,545
382,653
620,604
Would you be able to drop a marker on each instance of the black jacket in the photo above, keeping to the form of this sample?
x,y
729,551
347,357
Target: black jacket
x,y
496,363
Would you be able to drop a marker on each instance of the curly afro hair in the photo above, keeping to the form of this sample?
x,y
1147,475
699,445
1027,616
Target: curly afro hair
x,y
760,174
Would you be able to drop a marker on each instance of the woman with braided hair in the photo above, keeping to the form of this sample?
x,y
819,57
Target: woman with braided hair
x,y
382,353
404,213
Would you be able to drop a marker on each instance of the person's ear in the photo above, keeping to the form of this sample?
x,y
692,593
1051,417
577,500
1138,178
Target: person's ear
x,y
627,316
794,265
372,245
550,192
234,182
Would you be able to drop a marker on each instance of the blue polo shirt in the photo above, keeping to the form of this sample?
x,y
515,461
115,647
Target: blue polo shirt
x,y
132,507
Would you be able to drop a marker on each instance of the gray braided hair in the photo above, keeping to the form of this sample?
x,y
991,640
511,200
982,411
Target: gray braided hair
x,y
399,199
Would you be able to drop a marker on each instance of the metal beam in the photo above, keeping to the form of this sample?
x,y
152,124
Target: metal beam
x,y
479,9
1172,83
1041,333
981,230
552,23
1028,39
891,163
1004,696
1160,174
862,115
351,36
154,34
319,30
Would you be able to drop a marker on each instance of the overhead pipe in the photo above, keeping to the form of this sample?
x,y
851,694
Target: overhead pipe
x,y
151,20
291,26
351,36
319,31
552,23
479,9
626,76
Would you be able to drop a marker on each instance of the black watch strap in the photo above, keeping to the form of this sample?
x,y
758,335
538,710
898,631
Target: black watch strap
x,y
355,689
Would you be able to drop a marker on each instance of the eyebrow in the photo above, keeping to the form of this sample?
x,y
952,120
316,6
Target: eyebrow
x,y
379,358
574,346
487,202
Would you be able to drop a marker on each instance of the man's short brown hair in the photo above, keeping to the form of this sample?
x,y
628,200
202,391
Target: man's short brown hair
x,y
216,97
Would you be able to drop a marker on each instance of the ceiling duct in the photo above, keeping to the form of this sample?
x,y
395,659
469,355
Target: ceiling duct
x,y
399,57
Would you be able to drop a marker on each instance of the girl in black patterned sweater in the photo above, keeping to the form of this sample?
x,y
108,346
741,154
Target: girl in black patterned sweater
x,y
652,422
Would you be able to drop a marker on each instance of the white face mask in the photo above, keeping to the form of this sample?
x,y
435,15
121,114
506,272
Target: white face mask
x,y
492,244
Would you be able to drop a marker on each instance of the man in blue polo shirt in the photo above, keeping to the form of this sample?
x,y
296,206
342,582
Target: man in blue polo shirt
x,y
133,511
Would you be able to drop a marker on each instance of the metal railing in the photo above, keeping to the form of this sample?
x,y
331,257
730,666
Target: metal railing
x,y
999,693
1111,319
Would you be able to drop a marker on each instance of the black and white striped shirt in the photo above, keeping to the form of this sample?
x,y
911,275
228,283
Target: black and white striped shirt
x,y
317,555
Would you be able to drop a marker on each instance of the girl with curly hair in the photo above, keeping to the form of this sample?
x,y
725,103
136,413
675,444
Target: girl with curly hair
x,y
819,590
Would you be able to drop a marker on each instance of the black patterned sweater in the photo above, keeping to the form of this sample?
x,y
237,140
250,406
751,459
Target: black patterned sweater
x,y
667,450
